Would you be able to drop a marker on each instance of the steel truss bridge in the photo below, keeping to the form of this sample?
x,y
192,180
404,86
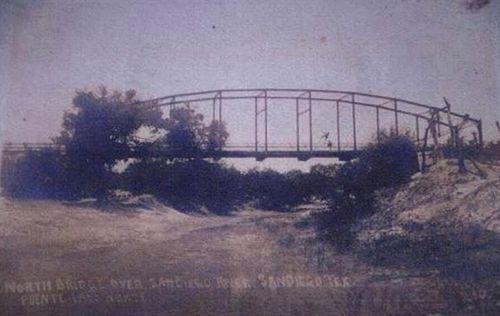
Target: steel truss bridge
x,y
426,119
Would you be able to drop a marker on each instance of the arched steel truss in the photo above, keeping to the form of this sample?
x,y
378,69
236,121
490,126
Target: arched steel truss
x,y
442,117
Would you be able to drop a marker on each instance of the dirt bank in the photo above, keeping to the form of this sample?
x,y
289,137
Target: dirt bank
x,y
442,221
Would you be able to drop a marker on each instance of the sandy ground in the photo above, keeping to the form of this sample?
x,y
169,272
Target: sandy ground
x,y
75,259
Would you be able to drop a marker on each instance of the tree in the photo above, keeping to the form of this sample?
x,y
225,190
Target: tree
x,y
186,135
98,131
184,132
104,128
216,136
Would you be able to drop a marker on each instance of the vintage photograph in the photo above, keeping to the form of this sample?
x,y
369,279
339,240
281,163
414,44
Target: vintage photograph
x,y
238,157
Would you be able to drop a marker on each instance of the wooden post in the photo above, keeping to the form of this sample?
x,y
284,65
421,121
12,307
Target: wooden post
x,y
448,115
426,135
460,154
438,118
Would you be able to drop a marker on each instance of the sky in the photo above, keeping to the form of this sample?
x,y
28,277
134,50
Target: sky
x,y
419,50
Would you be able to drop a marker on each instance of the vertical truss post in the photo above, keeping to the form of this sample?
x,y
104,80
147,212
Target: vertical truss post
x,y
396,119
220,106
378,125
354,122
265,120
310,122
256,125
297,123
338,126
213,107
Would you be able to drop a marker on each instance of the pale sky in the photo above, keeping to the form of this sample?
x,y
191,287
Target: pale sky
x,y
417,50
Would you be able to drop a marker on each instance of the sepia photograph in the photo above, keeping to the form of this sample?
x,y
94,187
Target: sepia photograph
x,y
249,157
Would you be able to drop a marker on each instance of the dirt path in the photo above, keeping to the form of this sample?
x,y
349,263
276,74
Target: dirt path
x,y
62,259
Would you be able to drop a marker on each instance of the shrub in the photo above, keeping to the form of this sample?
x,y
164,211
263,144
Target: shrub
x,y
186,183
38,174
390,163
216,186
272,190
350,195
490,152
453,249
320,180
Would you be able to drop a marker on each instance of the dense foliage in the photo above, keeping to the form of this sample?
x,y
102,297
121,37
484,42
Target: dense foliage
x,y
186,184
97,132
38,174
220,188
351,194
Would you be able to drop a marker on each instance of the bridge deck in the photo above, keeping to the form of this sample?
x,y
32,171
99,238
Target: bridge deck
x,y
300,155
347,152
232,151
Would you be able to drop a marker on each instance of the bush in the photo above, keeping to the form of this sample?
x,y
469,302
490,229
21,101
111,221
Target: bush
x,y
456,250
186,184
490,152
321,179
270,189
390,163
350,196
38,174
220,188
